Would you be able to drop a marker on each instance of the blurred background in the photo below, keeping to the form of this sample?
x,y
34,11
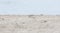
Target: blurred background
x,y
27,7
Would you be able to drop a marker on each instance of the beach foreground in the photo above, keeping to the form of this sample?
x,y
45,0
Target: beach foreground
x,y
29,24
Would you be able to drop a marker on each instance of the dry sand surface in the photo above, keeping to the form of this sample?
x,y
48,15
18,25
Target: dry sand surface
x,y
29,24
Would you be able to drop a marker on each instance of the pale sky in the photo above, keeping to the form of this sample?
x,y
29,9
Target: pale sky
x,y
25,7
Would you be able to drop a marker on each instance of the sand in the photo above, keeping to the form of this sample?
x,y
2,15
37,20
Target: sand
x,y
29,24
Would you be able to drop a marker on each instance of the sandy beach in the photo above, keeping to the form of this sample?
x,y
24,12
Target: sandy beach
x,y
29,24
